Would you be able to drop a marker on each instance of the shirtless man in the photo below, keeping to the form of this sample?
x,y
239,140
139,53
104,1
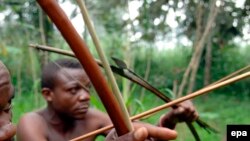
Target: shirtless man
x,y
7,129
66,87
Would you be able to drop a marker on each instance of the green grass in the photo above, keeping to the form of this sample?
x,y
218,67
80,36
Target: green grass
x,y
217,110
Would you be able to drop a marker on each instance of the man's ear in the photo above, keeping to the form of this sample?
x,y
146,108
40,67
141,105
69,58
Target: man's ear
x,y
47,94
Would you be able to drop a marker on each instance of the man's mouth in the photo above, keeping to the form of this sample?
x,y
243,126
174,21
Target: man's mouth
x,y
83,108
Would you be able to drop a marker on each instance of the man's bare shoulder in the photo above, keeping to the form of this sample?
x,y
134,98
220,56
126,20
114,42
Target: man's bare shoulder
x,y
93,113
31,126
98,117
32,117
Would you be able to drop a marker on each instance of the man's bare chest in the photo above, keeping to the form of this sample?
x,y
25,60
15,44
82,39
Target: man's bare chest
x,y
57,135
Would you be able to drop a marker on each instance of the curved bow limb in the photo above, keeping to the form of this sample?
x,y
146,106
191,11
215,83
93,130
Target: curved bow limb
x,y
57,15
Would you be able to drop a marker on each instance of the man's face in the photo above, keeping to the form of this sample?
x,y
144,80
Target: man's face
x,y
6,94
70,96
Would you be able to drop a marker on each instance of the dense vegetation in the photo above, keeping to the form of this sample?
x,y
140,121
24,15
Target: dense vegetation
x,y
135,40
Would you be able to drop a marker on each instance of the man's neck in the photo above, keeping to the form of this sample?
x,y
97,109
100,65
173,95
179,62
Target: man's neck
x,y
59,120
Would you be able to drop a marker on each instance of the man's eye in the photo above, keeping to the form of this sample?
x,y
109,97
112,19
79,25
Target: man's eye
x,y
7,108
73,90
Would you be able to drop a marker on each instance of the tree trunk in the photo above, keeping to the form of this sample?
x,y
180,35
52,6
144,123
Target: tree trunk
x,y
174,89
34,76
184,79
44,55
199,47
46,30
125,83
208,62
19,78
147,72
194,70
199,23
198,33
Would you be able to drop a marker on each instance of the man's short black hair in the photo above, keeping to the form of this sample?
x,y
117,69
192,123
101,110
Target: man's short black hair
x,y
51,69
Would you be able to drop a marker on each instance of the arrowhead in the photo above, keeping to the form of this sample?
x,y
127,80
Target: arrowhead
x,y
120,63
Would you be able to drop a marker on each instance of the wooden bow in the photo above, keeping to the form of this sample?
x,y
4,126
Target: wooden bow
x,y
57,15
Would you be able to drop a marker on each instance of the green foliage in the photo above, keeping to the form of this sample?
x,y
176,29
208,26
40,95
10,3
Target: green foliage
x,y
96,102
20,64
26,103
21,28
166,65
226,61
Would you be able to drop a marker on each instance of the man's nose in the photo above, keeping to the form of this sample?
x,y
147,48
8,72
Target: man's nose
x,y
84,95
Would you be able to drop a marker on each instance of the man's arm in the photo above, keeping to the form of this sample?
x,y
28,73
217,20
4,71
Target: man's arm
x,y
31,127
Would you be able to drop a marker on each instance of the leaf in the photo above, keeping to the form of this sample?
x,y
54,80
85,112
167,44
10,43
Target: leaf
x,y
170,92
3,50
141,106
209,115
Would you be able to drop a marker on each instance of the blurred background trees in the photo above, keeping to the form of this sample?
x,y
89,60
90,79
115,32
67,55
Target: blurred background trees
x,y
179,46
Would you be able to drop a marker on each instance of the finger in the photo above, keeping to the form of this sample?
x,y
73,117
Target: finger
x,y
179,111
187,105
163,134
7,132
195,116
159,132
140,134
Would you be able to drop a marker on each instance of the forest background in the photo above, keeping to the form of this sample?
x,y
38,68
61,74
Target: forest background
x,y
178,46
